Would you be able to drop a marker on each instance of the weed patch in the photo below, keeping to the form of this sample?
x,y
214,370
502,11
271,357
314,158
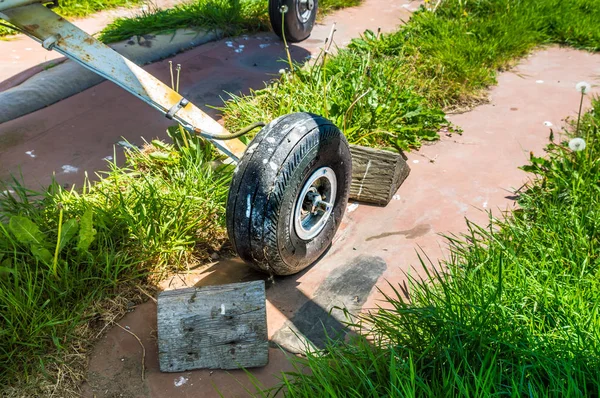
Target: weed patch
x,y
61,251
358,89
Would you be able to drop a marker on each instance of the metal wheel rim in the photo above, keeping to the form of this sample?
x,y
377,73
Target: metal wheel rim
x,y
304,9
315,203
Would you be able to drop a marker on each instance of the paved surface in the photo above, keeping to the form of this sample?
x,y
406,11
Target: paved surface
x,y
19,53
469,174
461,176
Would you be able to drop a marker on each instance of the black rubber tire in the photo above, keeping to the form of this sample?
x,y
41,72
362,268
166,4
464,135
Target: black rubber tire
x,y
267,182
295,29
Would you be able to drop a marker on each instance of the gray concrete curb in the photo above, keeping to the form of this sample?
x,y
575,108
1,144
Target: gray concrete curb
x,y
69,78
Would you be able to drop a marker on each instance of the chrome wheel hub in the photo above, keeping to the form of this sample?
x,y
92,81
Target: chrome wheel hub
x,y
304,9
315,203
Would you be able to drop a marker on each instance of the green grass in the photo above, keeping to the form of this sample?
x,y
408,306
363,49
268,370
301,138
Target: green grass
x,y
359,89
513,312
233,17
81,8
443,60
161,212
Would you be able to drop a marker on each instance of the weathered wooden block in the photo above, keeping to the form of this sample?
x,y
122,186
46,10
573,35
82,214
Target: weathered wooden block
x,y
214,327
376,174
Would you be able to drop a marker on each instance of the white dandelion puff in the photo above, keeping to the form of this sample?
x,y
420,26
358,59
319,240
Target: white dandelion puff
x,y
583,87
282,71
577,144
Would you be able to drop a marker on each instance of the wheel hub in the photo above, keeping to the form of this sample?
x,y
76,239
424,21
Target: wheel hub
x,y
304,9
315,203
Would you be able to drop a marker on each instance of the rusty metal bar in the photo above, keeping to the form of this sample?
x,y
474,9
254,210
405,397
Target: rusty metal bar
x,y
56,33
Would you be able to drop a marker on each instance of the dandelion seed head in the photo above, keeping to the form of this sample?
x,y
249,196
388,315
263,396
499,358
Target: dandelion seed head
x,y
282,71
577,144
583,87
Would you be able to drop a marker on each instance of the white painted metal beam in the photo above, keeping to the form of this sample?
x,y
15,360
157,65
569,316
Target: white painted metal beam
x,y
56,33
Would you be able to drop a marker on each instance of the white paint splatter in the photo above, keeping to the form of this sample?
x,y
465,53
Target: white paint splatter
x,y
8,192
248,206
547,124
396,197
539,81
222,309
264,45
229,43
238,50
484,205
271,140
270,150
67,169
107,158
351,207
181,381
242,46
265,161
273,166
28,48
415,161
30,153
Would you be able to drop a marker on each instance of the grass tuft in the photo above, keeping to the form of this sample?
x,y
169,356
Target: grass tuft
x,y
513,312
62,251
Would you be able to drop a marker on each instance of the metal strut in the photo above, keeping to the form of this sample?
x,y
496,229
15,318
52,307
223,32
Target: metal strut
x,y
56,33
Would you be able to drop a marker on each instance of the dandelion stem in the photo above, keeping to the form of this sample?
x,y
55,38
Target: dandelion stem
x,y
285,43
327,47
579,114
171,70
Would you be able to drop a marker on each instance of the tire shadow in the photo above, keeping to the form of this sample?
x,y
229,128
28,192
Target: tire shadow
x,y
313,321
